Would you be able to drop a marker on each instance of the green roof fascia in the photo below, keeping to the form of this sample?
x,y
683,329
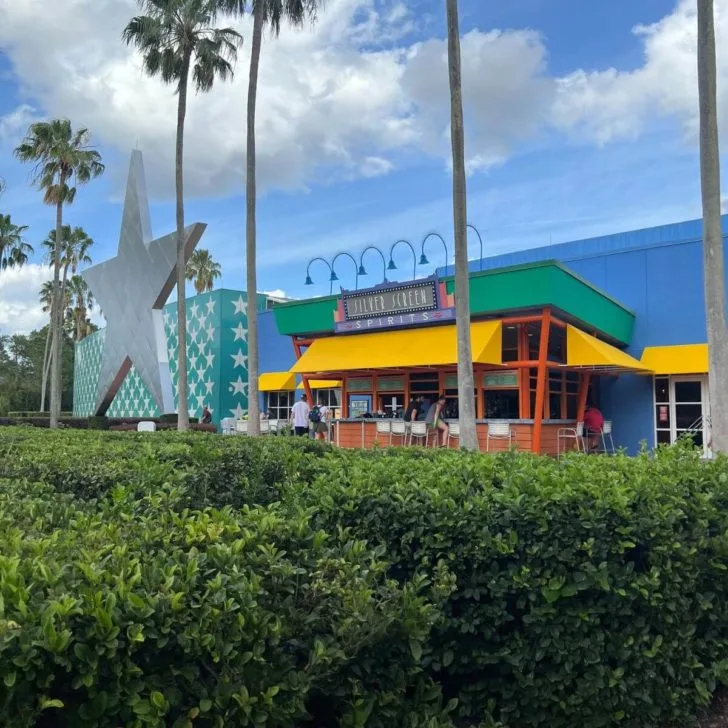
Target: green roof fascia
x,y
310,316
492,292
548,283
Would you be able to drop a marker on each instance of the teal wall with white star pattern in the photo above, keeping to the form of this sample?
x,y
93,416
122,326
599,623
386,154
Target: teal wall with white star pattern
x,y
217,361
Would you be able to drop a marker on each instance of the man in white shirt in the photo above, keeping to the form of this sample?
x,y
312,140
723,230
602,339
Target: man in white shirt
x,y
299,415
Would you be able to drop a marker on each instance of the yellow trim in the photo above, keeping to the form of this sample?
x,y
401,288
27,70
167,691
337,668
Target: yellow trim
x,y
276,381
584,350
684,359
322,384
422,347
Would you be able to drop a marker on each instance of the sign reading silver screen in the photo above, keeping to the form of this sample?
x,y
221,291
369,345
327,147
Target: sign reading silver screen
x,y
402,299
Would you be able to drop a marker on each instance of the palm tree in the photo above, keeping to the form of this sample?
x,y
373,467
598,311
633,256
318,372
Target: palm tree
x,y
203,270
270,13
81,302
72,251
176,38
466,384
63,159
46,299
713,261
13,248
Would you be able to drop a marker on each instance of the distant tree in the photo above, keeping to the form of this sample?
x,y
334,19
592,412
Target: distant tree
x,y
203,270
178,39
81,302
63,159
14,251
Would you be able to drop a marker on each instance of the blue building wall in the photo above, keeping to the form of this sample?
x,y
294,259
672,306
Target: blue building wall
x,y
658,273
276,352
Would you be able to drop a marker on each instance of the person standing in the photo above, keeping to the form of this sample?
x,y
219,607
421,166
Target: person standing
x,y
299,415
434,420
320,416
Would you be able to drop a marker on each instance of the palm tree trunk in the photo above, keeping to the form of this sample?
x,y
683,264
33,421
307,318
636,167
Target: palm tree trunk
x,y
250,229
183,410
46,364
56,318
466,384
713,260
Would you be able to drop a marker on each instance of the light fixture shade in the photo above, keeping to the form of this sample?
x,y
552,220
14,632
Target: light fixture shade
x,y
308,282
333,276
391,265
423,260
362,270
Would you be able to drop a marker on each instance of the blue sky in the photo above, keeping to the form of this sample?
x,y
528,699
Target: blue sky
x,y
576,126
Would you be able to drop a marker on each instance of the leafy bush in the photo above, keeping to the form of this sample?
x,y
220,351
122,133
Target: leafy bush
x,y
445,588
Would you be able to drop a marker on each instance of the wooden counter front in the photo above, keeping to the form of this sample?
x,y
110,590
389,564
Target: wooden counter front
x,y
363,433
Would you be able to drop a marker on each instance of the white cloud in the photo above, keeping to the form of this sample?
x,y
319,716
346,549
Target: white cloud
x,y
275,293
336,101
610,104
20,309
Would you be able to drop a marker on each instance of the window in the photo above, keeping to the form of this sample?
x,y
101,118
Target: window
x,y
510,343
501,404
331,398
557,344
278,404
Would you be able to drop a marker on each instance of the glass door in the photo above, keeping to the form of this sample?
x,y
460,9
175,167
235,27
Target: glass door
x,y
689,410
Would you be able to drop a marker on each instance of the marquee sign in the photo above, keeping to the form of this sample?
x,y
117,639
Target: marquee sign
x,y
394,305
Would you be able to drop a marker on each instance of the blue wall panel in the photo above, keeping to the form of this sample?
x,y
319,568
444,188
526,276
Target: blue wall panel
x,y
275,350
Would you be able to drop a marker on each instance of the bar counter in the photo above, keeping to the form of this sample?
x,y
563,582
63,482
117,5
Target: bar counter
x,y
362,432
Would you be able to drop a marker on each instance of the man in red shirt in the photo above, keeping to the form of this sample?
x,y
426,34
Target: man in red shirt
x,y
593,424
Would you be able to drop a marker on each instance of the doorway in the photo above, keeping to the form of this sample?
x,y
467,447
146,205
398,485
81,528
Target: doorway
x,y
682,410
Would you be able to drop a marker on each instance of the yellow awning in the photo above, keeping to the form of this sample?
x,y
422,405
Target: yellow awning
x,y
276,381
422,347
584,350
322,384
685,359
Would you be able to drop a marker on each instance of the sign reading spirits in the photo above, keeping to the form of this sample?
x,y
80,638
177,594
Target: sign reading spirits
x,y
393,305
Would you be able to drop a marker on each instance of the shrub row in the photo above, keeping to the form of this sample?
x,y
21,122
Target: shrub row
x,y
509,590
67,420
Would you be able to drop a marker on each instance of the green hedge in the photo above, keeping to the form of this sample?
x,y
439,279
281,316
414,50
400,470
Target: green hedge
x,y
451,589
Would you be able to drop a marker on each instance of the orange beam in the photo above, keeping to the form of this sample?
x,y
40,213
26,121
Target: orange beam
x,y
525,375
541,379
584,383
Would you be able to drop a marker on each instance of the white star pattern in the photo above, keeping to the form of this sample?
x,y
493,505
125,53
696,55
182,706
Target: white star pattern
x,y
192,359
210,308
200,401
239,332
210,333
194,308
238,412
209,386
210,359
237,386
240,306
239,359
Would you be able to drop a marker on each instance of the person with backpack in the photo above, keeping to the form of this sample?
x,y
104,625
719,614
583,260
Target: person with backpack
x,y
319,418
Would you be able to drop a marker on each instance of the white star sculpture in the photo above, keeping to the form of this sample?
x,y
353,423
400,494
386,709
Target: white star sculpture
x,y
131,289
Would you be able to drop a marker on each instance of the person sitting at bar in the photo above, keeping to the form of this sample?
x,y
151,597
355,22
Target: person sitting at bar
x,y
414,408
434,420
593,424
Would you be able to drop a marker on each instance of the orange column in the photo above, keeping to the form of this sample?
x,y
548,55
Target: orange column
x,y
541,379
583,393
524,374
344,399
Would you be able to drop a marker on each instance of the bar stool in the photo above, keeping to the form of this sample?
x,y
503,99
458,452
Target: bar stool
x,y
384,427
418,431
399,429
571,433
265,427
453,432
607,436
498,431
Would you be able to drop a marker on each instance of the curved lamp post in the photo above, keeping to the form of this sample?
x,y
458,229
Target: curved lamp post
x,y
480,240
332,276
362,269
423,257
392,266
